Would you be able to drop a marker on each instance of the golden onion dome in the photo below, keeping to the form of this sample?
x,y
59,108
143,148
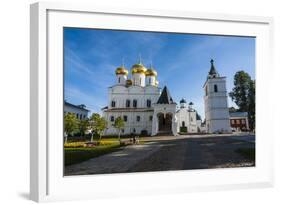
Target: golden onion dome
x,y
151,72
121,71
138,68
129,82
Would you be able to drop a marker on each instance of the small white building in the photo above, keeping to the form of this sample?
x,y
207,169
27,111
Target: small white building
x,y
79,111
215,102
188,119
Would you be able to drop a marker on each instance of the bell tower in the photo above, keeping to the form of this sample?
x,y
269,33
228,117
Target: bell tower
x,y
215,102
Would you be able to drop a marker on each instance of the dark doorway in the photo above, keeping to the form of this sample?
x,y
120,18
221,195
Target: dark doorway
x,y
165,122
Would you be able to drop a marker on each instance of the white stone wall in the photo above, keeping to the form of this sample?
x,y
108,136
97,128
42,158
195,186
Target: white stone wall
x,y
121,79
131,124
199,125
150,80
138,79
120,94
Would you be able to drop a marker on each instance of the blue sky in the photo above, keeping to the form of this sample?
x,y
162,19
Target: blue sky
x,y
181,60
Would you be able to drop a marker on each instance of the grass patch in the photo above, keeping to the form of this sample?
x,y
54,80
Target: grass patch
x,y
248,153
75,151
80,154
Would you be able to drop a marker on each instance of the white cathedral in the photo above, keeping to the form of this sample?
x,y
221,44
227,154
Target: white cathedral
x,y
147,109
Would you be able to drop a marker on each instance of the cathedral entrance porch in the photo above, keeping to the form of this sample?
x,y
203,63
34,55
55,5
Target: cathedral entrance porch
x,y
164,123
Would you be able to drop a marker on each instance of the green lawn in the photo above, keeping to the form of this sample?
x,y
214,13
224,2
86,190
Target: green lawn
x,y
248,153
75,152
80,154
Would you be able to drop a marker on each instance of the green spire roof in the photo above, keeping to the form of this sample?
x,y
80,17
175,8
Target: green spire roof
x,y
213,69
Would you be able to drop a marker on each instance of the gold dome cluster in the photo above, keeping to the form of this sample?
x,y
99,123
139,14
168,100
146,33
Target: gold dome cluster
x,y
121,71
138,68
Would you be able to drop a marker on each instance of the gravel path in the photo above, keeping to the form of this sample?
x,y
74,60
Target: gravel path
x,y
172,153
197,153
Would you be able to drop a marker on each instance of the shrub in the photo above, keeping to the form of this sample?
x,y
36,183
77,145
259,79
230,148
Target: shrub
x,y
74,144
183,129
105,142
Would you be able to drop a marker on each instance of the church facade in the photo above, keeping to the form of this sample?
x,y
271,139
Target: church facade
x,y
149,110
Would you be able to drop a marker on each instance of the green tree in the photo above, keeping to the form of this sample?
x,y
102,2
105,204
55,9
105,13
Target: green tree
x,y
252,105
83,126
119,124
243,94
240,91
70,125
97,125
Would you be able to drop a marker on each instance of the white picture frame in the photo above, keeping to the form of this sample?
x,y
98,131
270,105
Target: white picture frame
x,y
47,182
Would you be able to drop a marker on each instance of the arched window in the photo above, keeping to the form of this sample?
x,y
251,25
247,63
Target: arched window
x,y
112,118
135,103
113,103
149,80
206,90
138,118
215,88
128,102
148,103
140,81
119,80
183,123
125,118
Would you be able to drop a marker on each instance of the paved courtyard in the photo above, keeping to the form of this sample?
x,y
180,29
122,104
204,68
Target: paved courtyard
x,y
171,153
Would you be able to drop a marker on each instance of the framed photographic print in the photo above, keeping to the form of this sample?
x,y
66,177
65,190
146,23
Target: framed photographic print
x,y
130,102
